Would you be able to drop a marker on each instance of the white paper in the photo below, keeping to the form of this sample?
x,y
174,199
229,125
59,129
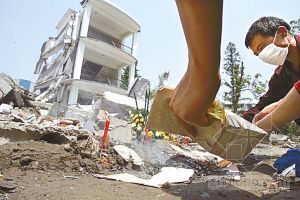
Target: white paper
x,y
166,175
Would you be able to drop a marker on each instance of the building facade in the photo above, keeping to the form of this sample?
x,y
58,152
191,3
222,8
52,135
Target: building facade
x,y
88,54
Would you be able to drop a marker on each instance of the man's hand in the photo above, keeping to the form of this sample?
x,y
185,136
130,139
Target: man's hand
x,y
267,110
193,96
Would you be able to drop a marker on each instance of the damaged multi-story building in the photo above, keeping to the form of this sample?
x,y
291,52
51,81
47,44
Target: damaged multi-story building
x,y
88,55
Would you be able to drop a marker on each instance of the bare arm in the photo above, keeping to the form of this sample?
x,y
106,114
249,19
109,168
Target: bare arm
x,y
202,24
287,110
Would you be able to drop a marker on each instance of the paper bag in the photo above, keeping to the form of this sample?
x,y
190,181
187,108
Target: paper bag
x,y
228,136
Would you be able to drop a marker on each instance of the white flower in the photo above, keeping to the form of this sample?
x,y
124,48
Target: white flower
x,y
139,128
157,134
133,125
132,115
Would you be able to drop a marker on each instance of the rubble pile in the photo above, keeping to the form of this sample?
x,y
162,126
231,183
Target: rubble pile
x,y
70,123
43,157
284,140
52,138
11,94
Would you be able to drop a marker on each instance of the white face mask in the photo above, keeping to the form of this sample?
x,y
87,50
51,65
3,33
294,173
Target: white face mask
x,y
273,54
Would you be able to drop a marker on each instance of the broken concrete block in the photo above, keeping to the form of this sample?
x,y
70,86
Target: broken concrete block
x,y
6,85
16,97
6,118
11,93
128,154
139,88
17,118
232,139
15,132
5,108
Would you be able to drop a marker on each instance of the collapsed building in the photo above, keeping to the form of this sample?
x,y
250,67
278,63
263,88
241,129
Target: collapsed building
x,y
88,55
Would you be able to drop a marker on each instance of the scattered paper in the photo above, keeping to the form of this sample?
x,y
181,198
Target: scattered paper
x,y
233,173
166,175
288,170
234,178
232,169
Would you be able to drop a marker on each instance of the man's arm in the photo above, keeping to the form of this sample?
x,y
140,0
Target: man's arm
x,y
202,25
286,111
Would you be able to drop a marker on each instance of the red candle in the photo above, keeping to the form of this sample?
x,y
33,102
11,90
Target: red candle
x,y
107,123
147,135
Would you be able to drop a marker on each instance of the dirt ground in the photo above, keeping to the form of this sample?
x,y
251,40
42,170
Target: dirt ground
x,y
39,170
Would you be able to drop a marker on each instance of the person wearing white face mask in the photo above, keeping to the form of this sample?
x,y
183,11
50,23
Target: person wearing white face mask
x,y
270,41
276,55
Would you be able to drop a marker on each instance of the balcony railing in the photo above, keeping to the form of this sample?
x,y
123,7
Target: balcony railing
x,y
91,76
98,35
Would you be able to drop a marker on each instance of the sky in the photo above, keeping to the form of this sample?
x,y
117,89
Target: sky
x,y
25,25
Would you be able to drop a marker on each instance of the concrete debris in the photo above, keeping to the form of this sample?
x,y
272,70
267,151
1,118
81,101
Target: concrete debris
x,y
90,115
17,118
15,132
61,122
3,141
49,138
128,154
8,187
167,175
10,93
277,137
290,144
139,88
6,85
123,100
44,157
5,108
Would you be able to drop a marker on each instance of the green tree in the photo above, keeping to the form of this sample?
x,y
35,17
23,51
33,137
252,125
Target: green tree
x,y
234,68
295,26
239,82
257,86
125,76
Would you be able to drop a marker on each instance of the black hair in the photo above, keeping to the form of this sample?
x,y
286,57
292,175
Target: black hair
x,y
265,26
